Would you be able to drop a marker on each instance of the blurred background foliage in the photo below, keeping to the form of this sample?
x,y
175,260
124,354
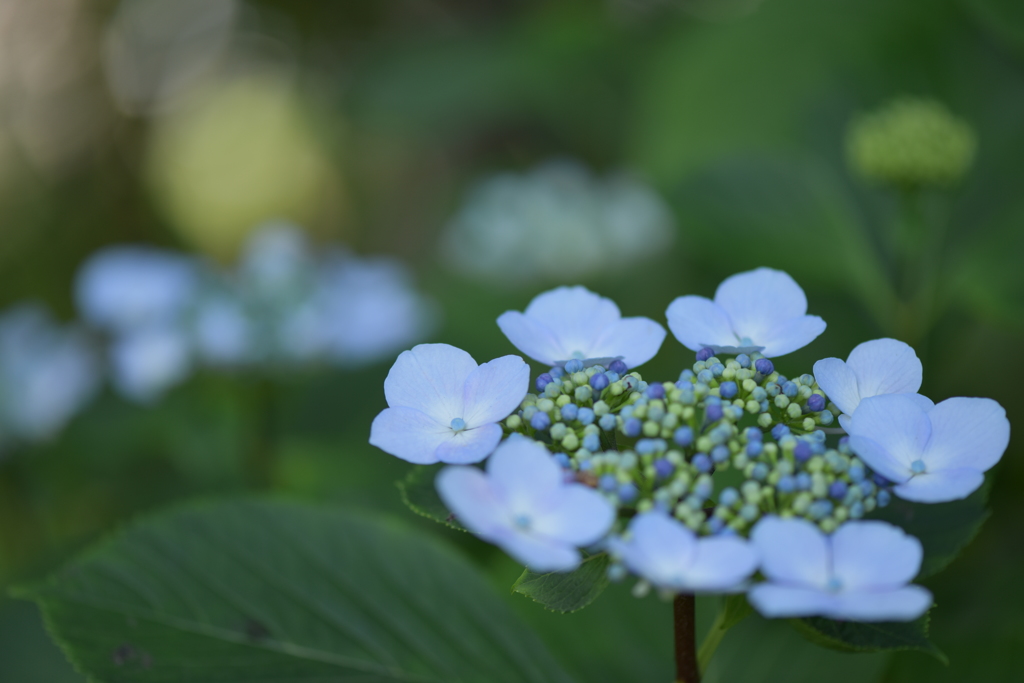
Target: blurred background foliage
x,y
185,123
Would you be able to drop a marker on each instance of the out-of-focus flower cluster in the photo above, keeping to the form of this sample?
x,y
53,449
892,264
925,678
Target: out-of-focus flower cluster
x,y
283,306
520,228
721,481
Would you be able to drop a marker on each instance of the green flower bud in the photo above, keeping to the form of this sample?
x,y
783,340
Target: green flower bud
x,y
793,410
571,442
545,405
514,422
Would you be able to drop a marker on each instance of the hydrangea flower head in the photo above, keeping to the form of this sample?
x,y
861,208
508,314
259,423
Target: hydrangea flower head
x,y
569,323
880,366
146,363
443,407
860,572
524,505
760,310
933,452
671,557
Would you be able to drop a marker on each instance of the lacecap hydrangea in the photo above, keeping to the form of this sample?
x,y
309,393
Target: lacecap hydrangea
x,y
730,478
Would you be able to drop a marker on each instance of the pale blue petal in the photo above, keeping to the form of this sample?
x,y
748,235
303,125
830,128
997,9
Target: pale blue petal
x,y
525,476
758,300
885,366
148,362
941,486
844,422
967,432
839,383
698,322
792,551
901,604
659,549
575,314
532,337
469,495
897,422
774,601
409,434
539,554
470,445
581,516
721,564
788,335
430,378
878,457
874,555
635,340
494,390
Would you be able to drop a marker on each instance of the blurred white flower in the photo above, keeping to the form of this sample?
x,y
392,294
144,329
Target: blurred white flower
x,y
47,373
147,362
556,222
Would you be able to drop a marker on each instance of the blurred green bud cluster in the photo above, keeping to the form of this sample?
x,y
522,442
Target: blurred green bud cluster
x,y
910,142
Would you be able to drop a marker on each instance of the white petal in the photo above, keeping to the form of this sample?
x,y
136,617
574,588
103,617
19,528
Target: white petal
x,y
941,486
525,475
469,445
660,549
838,382
581,517
896,422
494,390
470,497
878,457
792,551
788,335
698,322
902,604
532,337
148,362
635,340
408,434
885,366
757,300
538,553
775,601
874,555
967,432
575,314
721,564
430,378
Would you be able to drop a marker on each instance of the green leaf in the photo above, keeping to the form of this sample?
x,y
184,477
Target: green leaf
x,y
944,529
853,636
283,592
736,609
566,591
419,493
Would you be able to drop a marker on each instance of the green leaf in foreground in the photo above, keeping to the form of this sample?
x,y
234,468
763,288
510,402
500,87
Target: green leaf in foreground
x,y
419,494
854,636
566,591
943,528
283,592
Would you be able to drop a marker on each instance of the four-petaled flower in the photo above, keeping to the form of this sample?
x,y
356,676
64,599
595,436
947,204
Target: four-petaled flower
x,y
933,452
859,573
446,408
669,555
760,310
524,505
874,368
574,323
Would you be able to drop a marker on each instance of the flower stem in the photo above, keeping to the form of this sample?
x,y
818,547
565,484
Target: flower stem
x,y
685,620
712,640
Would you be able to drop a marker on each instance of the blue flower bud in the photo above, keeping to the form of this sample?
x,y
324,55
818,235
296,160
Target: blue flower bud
x,y
608,483
779,431
592,442
790,389
630,383
717,369
702,462
803,481
857,510
704,488
458,424
646,446
569,411
764,366
705,353
656,390
618,367
753,434
744,360
714,412
787,484
543,380
612,376
628,493
663,468
729,497
607,422
819,509
857,472
705,377
880,481
837,489
556,372
632,427
586,466
883,498
599,382
807,380
816,403
585,415
760,471
802,451
867,487
720,454
772,389
575,365
754,449
728,390
917,467
749,512
686,376
540,421
716,524
683,436
553,389
563,460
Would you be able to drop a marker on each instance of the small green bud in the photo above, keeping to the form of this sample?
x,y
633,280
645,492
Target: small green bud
x,y
808,424
764,420
571,442
558,431
781,401
601,408
651,429
562,400
793,410
513,422
828,525
583,394
545,405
